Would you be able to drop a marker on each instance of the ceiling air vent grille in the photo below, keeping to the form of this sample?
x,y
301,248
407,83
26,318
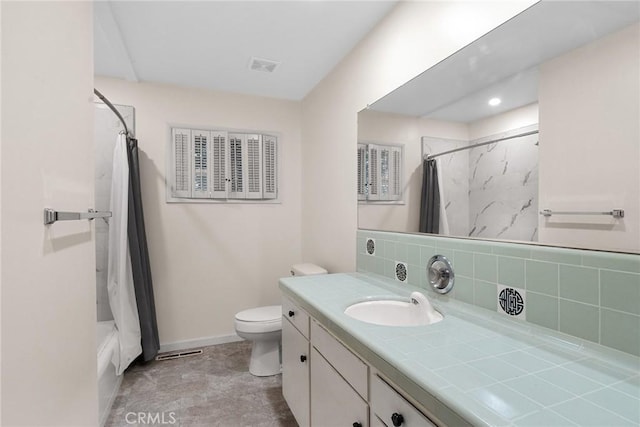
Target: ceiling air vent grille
x,y
265,65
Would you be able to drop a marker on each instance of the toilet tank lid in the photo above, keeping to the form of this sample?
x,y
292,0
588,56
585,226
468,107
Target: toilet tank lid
x,y
306,269
260,314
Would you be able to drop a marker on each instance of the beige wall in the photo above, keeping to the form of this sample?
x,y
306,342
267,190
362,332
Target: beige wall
x,y
48,273
210,261
510,120
375,126
590,159
413,37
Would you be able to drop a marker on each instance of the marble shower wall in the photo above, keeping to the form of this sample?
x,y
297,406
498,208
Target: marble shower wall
x,y
503,187
454,170
107,128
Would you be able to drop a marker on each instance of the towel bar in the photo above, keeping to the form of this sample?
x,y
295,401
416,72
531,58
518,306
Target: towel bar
x,y
51,216
616,213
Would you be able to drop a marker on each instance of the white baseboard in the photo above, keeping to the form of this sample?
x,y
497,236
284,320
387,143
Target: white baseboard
x,y
199,342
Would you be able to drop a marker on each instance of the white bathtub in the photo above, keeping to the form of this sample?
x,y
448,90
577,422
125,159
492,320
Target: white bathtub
x,y
108,381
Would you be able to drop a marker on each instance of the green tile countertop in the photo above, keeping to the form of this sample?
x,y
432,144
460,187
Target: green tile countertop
x,y
477,367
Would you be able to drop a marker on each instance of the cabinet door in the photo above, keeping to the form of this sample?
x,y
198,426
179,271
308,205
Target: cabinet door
x,y
350,367
333,401
295,372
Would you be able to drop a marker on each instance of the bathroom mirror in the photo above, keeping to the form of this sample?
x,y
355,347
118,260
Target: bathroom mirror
x,y
564,76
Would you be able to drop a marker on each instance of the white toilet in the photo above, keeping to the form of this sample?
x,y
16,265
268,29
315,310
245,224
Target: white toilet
x,y
263,326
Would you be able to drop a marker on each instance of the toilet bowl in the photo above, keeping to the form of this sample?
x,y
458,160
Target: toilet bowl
x,y
263,327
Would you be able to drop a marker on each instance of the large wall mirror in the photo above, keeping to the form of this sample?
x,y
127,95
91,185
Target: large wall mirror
x,y
539,116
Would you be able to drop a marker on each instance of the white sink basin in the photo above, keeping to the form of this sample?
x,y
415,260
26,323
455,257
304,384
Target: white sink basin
x,y
416,312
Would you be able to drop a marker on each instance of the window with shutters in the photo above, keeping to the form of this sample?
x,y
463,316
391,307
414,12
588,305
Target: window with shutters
x,y
380,173
222,165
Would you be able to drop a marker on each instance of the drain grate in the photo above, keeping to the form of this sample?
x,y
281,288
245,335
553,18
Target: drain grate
x,y
171,356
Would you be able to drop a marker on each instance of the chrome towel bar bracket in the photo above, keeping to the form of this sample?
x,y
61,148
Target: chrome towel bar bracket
x,y
51,216
616,213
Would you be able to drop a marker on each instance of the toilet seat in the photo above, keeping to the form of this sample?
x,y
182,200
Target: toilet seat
x,y
259,320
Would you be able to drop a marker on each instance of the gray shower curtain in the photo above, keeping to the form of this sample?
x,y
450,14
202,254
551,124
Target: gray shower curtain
x,y
429,198
139,253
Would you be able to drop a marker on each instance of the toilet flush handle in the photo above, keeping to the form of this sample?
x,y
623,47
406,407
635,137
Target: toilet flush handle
x,y
303,358
291,313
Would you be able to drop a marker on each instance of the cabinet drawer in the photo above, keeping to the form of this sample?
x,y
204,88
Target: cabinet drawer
x,y
346,363
297,316
385,402
333,401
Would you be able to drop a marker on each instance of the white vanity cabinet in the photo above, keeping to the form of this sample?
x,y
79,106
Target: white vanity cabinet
x,y
326,384
295,361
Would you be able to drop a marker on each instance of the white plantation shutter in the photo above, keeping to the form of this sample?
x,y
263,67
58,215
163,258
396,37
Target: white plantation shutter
x,y
384,172
181,166
383,169
200,176
219,164
237,161
269,166
373,172
395,173
362,171
254,166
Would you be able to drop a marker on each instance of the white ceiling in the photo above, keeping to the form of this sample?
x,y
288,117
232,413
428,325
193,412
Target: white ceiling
x,y
209,44
504,62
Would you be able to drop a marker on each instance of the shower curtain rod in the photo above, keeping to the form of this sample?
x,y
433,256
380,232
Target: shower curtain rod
x,y
432,156
114,109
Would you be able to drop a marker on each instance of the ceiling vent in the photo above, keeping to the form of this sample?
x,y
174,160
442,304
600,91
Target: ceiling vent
x,y
266,65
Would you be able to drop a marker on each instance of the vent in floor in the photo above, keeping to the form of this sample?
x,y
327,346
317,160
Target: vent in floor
x,y
178,355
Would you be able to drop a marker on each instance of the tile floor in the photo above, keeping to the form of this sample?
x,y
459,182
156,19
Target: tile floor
x,y
212,389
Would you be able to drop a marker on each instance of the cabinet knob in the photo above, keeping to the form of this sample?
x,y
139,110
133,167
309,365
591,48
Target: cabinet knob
x,y
397,419
303,358
291,313
357,424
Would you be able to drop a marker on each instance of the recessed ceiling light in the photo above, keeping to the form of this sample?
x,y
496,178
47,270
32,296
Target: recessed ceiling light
x,y
261,64
494,101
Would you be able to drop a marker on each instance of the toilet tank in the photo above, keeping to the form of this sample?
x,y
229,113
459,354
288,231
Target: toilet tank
x,y
306,269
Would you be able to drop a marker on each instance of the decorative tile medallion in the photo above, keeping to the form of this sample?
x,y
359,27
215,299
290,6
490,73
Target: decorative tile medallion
x,y
371,246
511,301
401,271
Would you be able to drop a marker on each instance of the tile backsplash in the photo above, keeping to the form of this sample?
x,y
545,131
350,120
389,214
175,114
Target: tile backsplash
x,y
588,294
